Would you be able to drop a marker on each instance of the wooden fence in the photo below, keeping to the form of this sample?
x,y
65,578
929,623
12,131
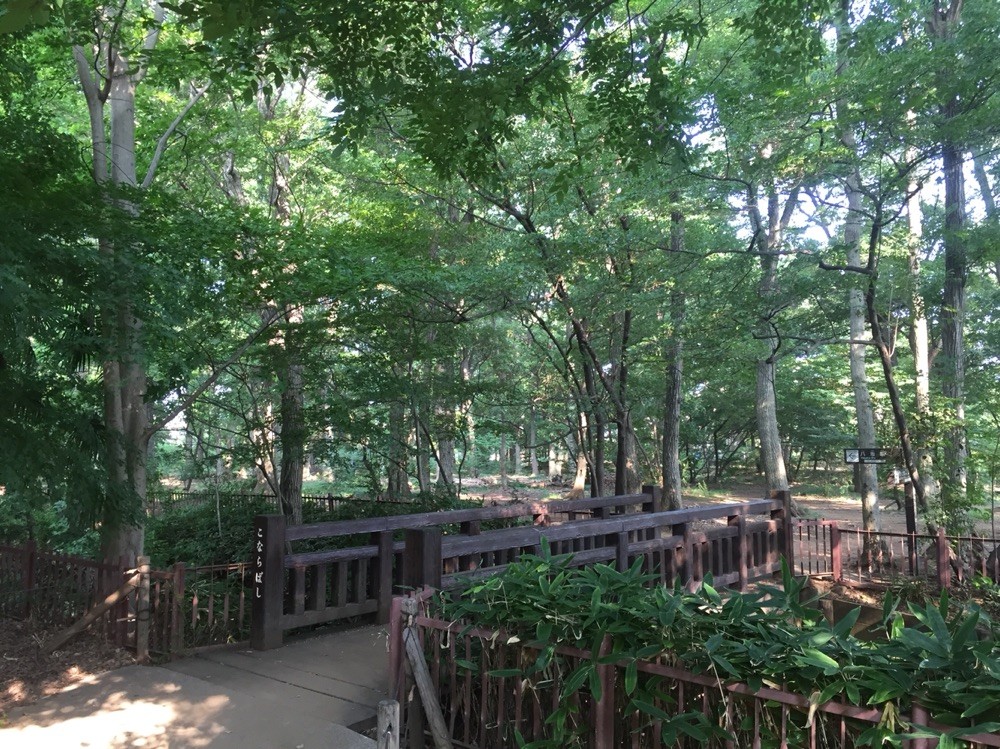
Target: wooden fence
x,y
484,699
384,555
188,607
58,589
859,557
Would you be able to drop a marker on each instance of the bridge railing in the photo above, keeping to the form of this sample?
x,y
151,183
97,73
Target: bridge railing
x,y
388,554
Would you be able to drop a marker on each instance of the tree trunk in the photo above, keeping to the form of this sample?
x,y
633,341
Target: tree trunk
x,y
870,517
771,455
293,429
943,23
671,458
920,348
123,372
533,440
595,426
398,484
422,454
768,242
503,460
986,194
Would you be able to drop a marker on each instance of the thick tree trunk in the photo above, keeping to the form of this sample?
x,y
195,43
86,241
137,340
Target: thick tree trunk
x,y
293,428
124,376
953,333
771,456
870,515
943,24
768,242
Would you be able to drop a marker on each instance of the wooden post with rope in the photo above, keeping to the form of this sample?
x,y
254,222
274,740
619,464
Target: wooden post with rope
x,y
93,615
422,677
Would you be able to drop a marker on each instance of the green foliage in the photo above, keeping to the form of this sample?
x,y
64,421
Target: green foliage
x,y
946,658
220,533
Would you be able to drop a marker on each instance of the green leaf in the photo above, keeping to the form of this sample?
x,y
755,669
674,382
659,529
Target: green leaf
x,y
631,677
977,708
818,658
650,709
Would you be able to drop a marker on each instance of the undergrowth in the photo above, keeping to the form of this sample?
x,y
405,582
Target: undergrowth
x,y
941,654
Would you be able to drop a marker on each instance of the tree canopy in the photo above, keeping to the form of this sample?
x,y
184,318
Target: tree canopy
x,y
390,246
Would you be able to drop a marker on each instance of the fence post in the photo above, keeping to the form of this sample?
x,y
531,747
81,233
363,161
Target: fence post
x,y
268,582
786,542
836,561
654,505
387,722
422,558
740,522
385,560
943,560
142,612
920,717
177,611
604,708
620,541
30,559
682,554
396,655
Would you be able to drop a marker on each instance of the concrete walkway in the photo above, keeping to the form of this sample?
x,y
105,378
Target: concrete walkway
x,y
308,694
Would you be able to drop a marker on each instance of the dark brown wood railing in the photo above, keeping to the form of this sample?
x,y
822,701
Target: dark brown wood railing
x,y
379,556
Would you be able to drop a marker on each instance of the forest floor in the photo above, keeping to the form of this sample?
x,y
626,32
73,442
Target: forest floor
x,y
26,676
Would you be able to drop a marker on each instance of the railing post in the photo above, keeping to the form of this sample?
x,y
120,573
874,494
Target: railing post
x,y
920,717
142,611
604,708
422,558
621,551
268,582
682,554
655,504
177,611
740,522
30,560
943,560
396,655
836,560
384,571
786,542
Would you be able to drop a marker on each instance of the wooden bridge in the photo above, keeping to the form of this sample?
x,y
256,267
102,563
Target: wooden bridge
x,y
315,574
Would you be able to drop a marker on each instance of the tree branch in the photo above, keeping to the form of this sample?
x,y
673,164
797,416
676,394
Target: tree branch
x,y
210,380
161,144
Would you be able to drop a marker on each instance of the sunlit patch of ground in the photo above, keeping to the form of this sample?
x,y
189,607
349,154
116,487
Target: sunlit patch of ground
x,y
26,675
